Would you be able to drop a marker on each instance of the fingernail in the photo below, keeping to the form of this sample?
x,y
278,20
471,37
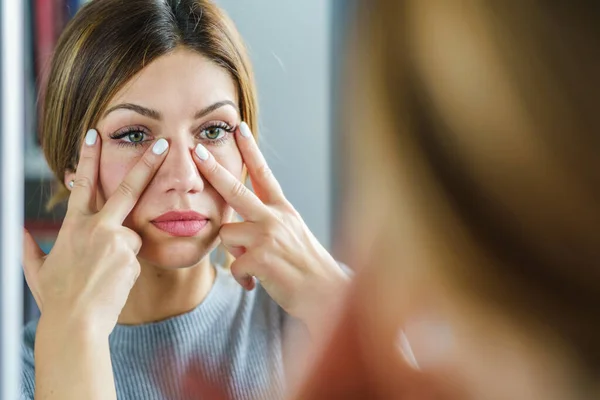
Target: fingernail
x,y
431,342
160,146
245,130
406,350
90,137
201,152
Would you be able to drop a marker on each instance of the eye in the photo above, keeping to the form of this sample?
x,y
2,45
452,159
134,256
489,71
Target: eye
x,y
131,136
135,137
213,133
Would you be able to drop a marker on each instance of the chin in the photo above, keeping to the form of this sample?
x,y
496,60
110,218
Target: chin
x,y
177,252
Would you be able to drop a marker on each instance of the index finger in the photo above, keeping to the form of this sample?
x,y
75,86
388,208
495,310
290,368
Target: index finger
x,y
83,193
238,196
120,204
265,184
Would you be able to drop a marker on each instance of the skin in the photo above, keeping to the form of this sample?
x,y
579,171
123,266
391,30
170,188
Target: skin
x,y
109,262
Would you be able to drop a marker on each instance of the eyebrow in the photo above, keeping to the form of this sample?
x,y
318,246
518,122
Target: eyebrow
x,y
148,112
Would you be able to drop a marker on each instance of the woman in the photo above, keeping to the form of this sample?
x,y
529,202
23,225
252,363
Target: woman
x,y
148,121
474,164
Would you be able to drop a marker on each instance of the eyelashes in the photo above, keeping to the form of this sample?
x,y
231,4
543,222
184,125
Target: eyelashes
x,y
213,133
124,136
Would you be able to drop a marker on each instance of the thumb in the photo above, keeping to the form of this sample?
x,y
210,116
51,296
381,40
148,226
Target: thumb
x,y
33,259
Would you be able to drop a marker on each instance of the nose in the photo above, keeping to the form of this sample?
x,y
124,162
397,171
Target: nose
x,y
178,172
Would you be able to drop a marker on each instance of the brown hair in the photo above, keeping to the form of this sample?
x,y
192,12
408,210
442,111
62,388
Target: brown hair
x,y
493,106
107,43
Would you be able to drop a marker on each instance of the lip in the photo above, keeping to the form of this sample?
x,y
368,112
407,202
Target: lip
x,y
181,223
183,215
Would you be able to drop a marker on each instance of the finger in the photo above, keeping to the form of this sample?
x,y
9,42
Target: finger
x,y
235,251
238,196
33,259
238,234
132,239
83,193
241,273
265,185
120,204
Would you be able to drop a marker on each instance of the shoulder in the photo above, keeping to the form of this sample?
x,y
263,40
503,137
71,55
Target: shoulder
x,y
27,360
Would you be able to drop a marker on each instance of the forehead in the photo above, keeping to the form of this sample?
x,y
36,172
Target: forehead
x,y
178,83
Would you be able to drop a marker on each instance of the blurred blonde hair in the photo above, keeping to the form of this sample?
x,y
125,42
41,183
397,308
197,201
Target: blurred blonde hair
x,y
488,112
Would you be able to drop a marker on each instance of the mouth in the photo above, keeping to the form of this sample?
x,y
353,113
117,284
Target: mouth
x,y
181,223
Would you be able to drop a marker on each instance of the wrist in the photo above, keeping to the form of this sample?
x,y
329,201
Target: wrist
x,y
72,360
71,328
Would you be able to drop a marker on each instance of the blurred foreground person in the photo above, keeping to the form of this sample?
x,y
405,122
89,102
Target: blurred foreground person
x,y
473,211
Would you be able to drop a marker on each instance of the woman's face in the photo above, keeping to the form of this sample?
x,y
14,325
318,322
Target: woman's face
x,y
186,99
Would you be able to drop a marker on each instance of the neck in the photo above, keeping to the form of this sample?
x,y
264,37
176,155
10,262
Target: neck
x,y
159,294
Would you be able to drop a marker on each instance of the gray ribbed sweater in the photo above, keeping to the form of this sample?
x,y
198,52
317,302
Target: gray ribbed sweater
x,y
232,340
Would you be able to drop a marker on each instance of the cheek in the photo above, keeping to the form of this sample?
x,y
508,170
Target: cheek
x,y
113,169
230,158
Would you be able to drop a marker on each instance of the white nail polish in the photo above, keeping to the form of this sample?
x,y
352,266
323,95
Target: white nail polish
x,y
245,130
201,152
431,342
160,146
71,184
406,350
90,137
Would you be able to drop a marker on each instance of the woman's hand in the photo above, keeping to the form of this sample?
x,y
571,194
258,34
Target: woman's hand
x,y
85,280
83,284
273,243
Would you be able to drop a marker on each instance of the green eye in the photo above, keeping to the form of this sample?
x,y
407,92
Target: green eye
x,y
135,137
213,133
131,136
